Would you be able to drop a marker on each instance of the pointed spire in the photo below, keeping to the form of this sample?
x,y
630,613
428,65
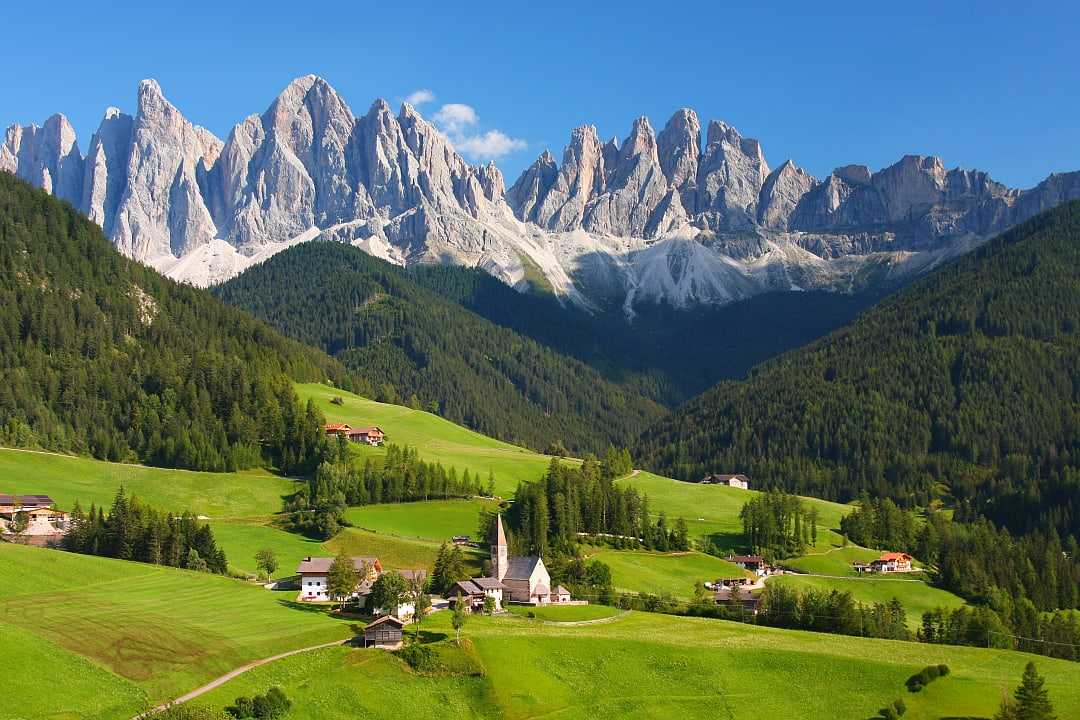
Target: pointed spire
x,y
500,535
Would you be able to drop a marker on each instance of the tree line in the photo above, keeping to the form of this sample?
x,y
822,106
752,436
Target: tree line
x,y
779,525
132,530
568,502
401,476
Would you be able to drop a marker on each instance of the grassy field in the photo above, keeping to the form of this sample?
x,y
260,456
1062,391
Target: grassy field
x,y
917,597
649,666
216,495
165,630
713,510
74,688
397,552
434,520
434,437
675,573
834,562
565,613
241,540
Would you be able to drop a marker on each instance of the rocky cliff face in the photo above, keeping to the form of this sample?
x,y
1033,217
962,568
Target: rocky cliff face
x,y
652,218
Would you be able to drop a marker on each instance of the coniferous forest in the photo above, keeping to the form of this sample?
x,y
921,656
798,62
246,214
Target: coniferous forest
x,y
406,340
967,382
100,355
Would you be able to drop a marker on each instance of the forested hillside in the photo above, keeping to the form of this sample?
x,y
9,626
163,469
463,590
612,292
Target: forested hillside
x,y
667,354
417,347
966,382
102,356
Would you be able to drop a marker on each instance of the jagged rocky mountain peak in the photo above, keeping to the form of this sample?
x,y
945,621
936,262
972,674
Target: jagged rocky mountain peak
x,y
667,217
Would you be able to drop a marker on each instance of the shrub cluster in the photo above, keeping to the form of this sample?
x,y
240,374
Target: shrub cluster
x,y
894,711
273,704
927,675
420,658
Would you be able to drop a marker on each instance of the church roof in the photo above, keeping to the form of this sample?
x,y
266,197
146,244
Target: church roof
x,y
521,567
500,534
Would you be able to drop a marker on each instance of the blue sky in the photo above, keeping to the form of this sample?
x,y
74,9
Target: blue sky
x,y
985,85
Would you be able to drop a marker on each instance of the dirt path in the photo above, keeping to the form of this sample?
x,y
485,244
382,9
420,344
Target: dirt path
x,y
597,621
218,682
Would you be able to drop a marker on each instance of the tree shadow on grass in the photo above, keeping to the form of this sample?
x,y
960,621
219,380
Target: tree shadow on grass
x,y
428,636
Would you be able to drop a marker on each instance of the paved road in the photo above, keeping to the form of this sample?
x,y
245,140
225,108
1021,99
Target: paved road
x,y
214,684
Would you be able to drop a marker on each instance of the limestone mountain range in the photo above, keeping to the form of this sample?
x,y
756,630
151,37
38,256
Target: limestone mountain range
x,y
657,217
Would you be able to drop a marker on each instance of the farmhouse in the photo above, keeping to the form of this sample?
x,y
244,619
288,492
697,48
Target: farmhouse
x,y
474,591
313,576
386,633
738,596
364,435
736,481
11,504
887,563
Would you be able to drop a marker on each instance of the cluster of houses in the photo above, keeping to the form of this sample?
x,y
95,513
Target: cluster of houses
x,y
45,525
736,481
889,562
363,435
514,579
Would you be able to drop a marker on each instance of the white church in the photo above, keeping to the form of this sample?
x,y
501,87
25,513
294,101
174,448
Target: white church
x,y
517,579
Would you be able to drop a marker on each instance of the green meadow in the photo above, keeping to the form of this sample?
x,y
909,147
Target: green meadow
x,y
434,520
245,494
164,630
59,684
836,561
646,666
565,613
435,438
713,510
916,596
674,573
396,552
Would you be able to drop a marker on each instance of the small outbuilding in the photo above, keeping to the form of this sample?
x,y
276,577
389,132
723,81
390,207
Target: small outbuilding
x,y
385,633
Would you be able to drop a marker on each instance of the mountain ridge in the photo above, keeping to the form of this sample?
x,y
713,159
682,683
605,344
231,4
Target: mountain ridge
x,y
668,217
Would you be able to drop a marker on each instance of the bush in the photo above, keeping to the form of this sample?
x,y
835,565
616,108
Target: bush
x,y
888,713
272,705
924,677
901,707
531,614
419,657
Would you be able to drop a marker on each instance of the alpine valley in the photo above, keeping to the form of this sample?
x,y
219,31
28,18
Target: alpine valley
x,y
656,218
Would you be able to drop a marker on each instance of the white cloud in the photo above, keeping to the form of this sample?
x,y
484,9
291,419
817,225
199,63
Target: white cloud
x,y
420,97
455,117
489,146
458,121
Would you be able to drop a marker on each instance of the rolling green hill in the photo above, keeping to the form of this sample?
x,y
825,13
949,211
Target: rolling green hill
x,y
129,634
649,666
165,630
407,340
965,380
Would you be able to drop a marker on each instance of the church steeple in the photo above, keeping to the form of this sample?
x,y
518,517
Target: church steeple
x,y
500,553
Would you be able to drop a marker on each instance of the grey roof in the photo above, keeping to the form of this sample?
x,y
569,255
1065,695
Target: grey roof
x,y
322,564
521,567
467,587
383,620
487,583
26,500
411,574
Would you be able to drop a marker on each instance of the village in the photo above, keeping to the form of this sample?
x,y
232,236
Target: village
x,y
34,519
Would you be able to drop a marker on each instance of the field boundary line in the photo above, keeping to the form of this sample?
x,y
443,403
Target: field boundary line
x,y
218,682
